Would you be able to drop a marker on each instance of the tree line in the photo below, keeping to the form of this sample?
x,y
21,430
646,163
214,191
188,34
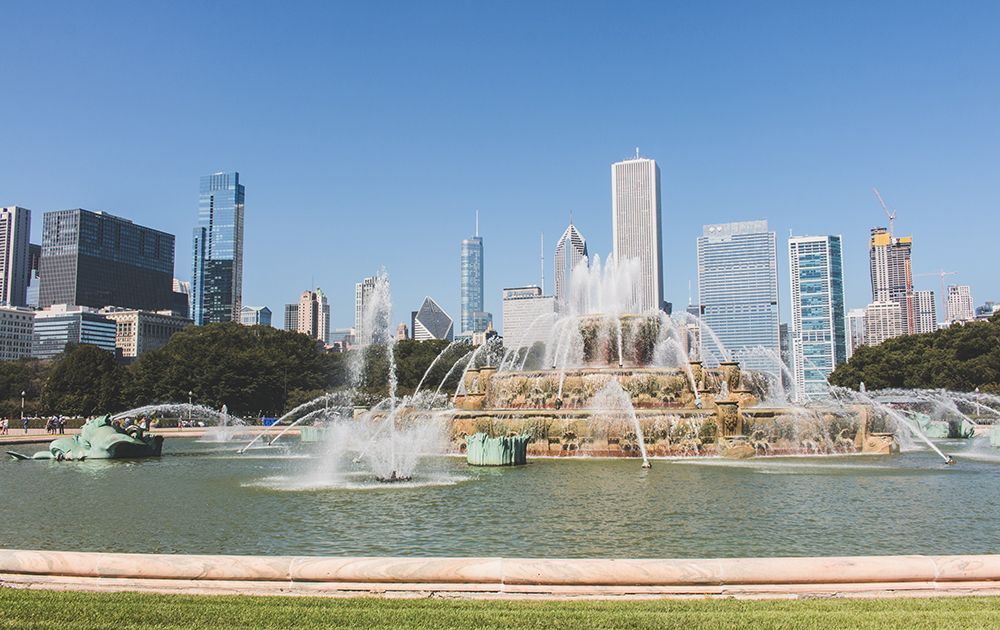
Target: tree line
x,y
253,370
961,357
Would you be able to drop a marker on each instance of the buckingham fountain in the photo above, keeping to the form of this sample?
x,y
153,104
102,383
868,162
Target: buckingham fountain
x,y
596,379
600,380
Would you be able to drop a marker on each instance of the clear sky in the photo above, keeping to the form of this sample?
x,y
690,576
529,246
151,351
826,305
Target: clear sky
x,y
368,133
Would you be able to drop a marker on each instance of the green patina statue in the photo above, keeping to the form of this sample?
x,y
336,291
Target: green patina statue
x,y
100,439
483,450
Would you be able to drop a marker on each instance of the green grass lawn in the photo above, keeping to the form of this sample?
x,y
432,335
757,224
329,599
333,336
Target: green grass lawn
x,y
44,609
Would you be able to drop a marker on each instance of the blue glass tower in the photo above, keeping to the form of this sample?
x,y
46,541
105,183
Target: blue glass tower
x,y
473,318
819,326
217,276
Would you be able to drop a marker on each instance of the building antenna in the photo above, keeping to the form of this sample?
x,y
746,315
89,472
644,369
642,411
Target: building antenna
x,y
543,262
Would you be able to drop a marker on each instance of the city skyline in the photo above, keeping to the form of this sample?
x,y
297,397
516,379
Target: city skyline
x,y
805,159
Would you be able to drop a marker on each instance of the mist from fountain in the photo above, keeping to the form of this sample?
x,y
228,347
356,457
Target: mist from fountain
x,y
301,413
486,351
613,404
453,344
900,419
222,427
463,361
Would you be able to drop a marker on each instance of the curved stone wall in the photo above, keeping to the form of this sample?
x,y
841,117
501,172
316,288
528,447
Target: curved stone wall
x,y
502,577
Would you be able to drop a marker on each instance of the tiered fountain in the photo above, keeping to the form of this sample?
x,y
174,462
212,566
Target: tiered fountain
x,y
601,380
598,379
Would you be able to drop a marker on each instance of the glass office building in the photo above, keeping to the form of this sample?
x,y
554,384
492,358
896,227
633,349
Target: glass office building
x,y
97,259
738,292
473,318
819,326
217,274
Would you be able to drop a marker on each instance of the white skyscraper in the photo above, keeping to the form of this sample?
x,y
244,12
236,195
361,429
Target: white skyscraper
x,y
925,312
15,265
883,320
636,225
362,293
960,308
570,250
855,330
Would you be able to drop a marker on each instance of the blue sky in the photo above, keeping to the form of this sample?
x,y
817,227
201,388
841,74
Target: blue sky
x,y
368,133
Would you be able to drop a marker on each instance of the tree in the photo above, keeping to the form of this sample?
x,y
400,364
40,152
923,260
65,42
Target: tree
x,y
413,360
23,375
85,380
960,357
250,369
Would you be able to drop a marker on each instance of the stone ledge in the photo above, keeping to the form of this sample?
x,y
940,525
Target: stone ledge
x,y
860,576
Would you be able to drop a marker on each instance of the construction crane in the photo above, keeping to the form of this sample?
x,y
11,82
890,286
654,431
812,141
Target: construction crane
x,y
885,208
944,298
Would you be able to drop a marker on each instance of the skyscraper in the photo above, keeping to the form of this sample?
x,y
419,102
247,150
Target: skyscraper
x,y
925,311
217,276
432,322
883,321
636,226
960,305
855,330
473,318
738,292
362,295
97,259
314,315
892,276
291,317
819,329
35,265
15,259
570,250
